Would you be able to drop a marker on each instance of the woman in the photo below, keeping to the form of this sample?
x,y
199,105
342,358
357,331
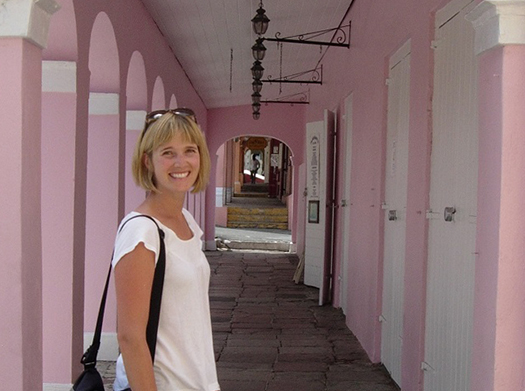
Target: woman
x,y
170,159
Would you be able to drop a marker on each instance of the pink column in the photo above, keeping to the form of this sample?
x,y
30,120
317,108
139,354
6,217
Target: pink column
x,y
102,216
59,109
499,319
20,238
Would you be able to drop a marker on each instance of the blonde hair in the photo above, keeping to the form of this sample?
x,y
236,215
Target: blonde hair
x,y
159,133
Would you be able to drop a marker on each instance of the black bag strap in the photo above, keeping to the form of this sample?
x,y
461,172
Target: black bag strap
x,y
89,359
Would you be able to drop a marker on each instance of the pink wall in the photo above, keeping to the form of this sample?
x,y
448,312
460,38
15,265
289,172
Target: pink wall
x,y
279,121
499,332
378,30
20,211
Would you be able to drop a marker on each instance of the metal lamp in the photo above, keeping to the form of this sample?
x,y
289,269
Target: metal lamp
x,y
260,21
256,97
257,85
257,70
258,50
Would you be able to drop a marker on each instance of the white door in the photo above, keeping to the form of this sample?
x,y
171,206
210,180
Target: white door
x,y
345,204
319,170
394,208
453,200
315,198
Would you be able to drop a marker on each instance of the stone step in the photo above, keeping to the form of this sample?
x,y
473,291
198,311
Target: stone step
x,y
233,210
262,225
267,218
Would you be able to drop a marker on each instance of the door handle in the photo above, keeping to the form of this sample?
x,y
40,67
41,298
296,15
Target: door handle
x,y
449,213
392,215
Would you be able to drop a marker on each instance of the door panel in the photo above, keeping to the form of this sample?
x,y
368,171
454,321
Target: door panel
x,y
453,201
345,203
318,236
395,211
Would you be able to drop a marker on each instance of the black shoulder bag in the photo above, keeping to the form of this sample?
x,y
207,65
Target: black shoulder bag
x,y
90,379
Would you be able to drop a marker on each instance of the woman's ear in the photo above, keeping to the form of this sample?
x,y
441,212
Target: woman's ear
x,y
146,161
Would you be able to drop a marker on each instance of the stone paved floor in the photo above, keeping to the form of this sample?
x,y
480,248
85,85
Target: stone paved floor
x,y
271,335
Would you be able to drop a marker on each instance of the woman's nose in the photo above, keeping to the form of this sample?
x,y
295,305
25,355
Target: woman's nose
x,y
178,158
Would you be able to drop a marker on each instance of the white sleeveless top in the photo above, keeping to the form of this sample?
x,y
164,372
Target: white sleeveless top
x,y
184,357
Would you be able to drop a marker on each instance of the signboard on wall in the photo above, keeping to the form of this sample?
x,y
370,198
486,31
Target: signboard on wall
x,y
256,143
313,169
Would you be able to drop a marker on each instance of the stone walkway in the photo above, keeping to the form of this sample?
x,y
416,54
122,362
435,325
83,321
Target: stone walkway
x,y
271,335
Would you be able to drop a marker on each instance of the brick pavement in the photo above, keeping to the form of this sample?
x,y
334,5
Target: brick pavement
x,y
271,335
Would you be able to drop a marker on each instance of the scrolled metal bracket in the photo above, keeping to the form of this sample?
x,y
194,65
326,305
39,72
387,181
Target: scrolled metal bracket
x,y
341,37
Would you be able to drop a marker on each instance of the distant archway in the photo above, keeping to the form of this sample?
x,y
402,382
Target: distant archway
x,y
264,187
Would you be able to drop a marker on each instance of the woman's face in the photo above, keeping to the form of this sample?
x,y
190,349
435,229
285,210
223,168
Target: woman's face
x,y
176,165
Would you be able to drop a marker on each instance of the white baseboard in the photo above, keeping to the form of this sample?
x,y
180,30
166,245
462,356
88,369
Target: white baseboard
x,y
57,387
108,346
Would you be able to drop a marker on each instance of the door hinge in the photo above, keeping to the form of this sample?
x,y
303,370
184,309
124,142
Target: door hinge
x,y
426,366
432,215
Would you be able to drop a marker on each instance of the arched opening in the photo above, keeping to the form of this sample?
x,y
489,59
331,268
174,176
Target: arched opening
x,y
136,107
158,98
102,195
254,194
173,102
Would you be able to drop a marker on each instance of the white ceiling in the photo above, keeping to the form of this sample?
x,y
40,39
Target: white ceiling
x,y
212,39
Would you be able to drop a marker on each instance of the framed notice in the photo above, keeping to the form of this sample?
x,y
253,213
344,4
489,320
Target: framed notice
x,y
313,212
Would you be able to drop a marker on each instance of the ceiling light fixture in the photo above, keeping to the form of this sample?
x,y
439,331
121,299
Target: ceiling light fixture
x,y
257,70
258,50
257,85
260,21
340,38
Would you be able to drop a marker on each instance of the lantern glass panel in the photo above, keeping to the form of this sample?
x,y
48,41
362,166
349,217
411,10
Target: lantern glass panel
x,y
257,85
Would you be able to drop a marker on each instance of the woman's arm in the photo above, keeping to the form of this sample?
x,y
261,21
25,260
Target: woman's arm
x,y
133,281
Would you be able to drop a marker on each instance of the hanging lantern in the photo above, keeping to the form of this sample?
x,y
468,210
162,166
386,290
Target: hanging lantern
x,y
256,97
258,50
260,21
257,85
257,70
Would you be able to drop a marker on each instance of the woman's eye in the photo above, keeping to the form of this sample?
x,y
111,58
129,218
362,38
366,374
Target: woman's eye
x,y
167,153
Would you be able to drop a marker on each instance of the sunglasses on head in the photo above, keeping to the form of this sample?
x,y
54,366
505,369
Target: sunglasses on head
x,y
155,115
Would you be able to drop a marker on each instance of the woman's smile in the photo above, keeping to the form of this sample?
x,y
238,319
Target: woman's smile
x,y
181,175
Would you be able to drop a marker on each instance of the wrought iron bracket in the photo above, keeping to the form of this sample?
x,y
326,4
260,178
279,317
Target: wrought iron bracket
x,y
342,38
316,78
303,98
